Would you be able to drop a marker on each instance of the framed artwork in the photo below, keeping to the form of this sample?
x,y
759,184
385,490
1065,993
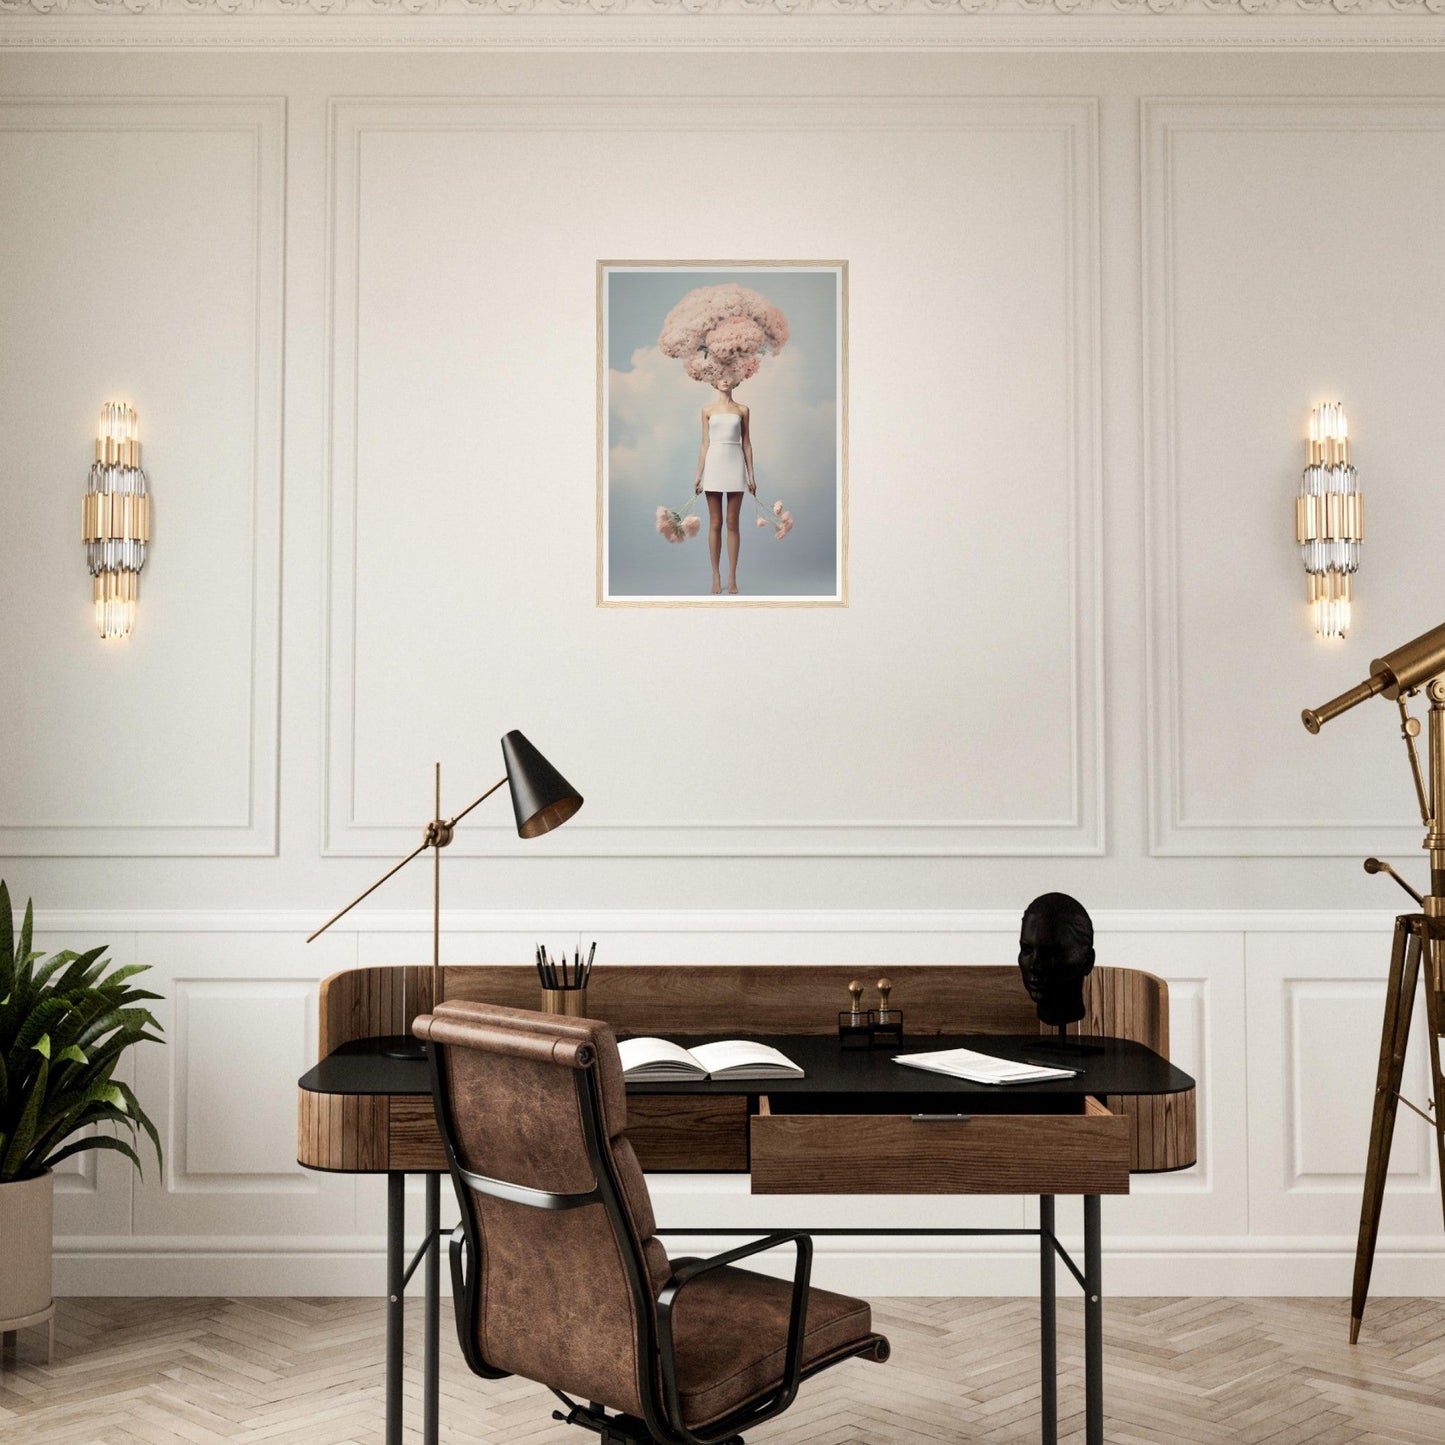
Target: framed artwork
x,y
722,461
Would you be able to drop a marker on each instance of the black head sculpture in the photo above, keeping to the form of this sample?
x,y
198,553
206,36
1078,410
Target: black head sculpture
x,y
1056,954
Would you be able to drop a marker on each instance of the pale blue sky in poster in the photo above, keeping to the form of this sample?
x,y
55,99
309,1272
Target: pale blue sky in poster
x,y
654,429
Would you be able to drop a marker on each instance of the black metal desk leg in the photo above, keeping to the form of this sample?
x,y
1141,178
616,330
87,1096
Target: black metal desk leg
x,y
1093,1325
395,1300
433,1307
1048,1326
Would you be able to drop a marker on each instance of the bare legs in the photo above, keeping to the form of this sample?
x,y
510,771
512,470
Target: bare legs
x,y
735,507
714,537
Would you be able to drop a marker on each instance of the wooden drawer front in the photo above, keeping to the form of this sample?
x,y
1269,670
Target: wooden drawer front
x,y
1078,1153
689,1132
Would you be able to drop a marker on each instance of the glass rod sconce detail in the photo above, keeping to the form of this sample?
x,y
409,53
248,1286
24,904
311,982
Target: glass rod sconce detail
x,y
117,520
1329,519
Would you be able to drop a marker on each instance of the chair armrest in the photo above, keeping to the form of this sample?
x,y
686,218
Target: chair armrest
x,y
797,1323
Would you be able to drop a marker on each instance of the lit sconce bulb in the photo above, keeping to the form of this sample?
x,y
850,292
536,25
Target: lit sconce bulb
x,y
116,520
1329,519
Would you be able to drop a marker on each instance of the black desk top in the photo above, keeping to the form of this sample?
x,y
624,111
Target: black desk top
x,y
1106,1066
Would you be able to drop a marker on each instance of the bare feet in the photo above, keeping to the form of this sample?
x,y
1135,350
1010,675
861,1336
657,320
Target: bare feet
x,y
733,588
716,586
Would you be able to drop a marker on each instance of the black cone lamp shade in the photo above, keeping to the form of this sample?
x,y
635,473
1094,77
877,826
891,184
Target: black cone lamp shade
x,y
542,798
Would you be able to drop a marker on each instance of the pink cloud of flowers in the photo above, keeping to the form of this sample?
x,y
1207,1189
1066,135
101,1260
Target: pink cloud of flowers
x,y
721,333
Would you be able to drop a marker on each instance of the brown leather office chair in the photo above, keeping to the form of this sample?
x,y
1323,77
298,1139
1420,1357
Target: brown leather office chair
x,y
556,1273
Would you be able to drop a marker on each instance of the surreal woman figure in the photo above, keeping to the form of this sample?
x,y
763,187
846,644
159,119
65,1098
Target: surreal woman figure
x,y
1056,954
720,334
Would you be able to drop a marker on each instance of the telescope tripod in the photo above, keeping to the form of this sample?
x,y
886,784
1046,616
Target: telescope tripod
x,y
1414,939
1419,939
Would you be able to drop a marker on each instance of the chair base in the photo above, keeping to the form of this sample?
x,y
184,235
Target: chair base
x,y
615,1429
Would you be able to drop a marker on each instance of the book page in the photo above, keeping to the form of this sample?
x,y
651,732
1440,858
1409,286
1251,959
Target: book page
x,y
642,1053
740,1053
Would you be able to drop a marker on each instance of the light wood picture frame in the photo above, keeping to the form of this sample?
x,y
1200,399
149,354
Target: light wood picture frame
x,y
767,342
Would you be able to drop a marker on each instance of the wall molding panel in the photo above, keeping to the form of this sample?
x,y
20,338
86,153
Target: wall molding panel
x,y
261,123
1174,831
1075,125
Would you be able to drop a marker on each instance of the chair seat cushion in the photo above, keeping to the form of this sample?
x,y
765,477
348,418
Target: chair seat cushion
x,y
730,1333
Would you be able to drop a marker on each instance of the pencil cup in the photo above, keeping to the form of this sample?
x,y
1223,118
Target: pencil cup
x,y
569,1001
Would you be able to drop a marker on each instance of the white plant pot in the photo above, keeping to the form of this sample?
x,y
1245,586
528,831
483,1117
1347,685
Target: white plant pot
x,y
26,1234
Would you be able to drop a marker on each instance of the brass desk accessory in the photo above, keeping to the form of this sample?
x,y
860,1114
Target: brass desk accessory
x,y
542,799
1398,676
885,1023
853,1021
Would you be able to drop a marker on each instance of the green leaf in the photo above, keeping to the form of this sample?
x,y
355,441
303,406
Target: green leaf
x,y
97,1141
27,932
70,1053
143,1119
12,1164
7,938
42,1046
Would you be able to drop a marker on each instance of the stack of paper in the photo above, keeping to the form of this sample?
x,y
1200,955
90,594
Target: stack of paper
x,y
981,1068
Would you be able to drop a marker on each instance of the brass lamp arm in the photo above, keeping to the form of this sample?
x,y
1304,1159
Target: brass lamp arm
x,y
482,799
420,848
430,840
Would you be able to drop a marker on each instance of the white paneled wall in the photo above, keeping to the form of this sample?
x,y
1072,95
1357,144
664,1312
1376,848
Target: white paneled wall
x,y
352,295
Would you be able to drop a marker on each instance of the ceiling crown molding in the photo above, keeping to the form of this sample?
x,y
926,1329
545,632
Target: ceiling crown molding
x,y
89,9
692,25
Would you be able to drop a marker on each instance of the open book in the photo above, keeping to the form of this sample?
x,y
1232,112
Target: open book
x,y
656,1061
981,1068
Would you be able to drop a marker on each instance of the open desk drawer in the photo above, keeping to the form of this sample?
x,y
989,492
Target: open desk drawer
x,y
1077,1147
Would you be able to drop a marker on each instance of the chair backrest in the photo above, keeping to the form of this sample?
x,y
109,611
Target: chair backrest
x,y
532,1108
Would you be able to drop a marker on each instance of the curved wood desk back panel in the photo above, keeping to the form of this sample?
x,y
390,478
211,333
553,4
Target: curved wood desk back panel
x,y
1121,1003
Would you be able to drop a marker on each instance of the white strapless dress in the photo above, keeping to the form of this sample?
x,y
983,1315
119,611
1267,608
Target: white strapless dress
x,y
724,470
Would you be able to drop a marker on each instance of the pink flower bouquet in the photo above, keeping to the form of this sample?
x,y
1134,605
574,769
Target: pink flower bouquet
x,y
677,526
780,517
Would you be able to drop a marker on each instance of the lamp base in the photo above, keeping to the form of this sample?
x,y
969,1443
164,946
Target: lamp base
x,y
402,1046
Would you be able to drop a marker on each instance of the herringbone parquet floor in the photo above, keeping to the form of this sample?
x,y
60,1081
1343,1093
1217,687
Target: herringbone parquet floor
x,y
1180,1372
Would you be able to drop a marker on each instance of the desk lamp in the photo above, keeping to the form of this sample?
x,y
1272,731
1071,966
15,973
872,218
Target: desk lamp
x,y
542,799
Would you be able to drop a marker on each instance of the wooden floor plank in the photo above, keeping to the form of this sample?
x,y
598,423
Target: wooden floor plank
x,y
1179,1372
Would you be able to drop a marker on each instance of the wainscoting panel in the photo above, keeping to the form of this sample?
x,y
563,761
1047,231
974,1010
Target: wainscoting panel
x,y
1316,1005
1276,1019
240,1021
145,265
436,361
1251,319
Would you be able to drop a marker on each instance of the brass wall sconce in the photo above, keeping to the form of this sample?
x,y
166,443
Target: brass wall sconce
x,y
1329,519
117,520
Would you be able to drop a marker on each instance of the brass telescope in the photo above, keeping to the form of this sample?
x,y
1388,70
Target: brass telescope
x,y
1419,937
1402,670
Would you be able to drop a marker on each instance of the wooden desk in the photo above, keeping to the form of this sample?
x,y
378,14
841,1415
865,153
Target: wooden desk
x,y
847,1127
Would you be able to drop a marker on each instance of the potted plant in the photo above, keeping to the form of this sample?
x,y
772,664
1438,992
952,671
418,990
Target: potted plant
x,y
64,1025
